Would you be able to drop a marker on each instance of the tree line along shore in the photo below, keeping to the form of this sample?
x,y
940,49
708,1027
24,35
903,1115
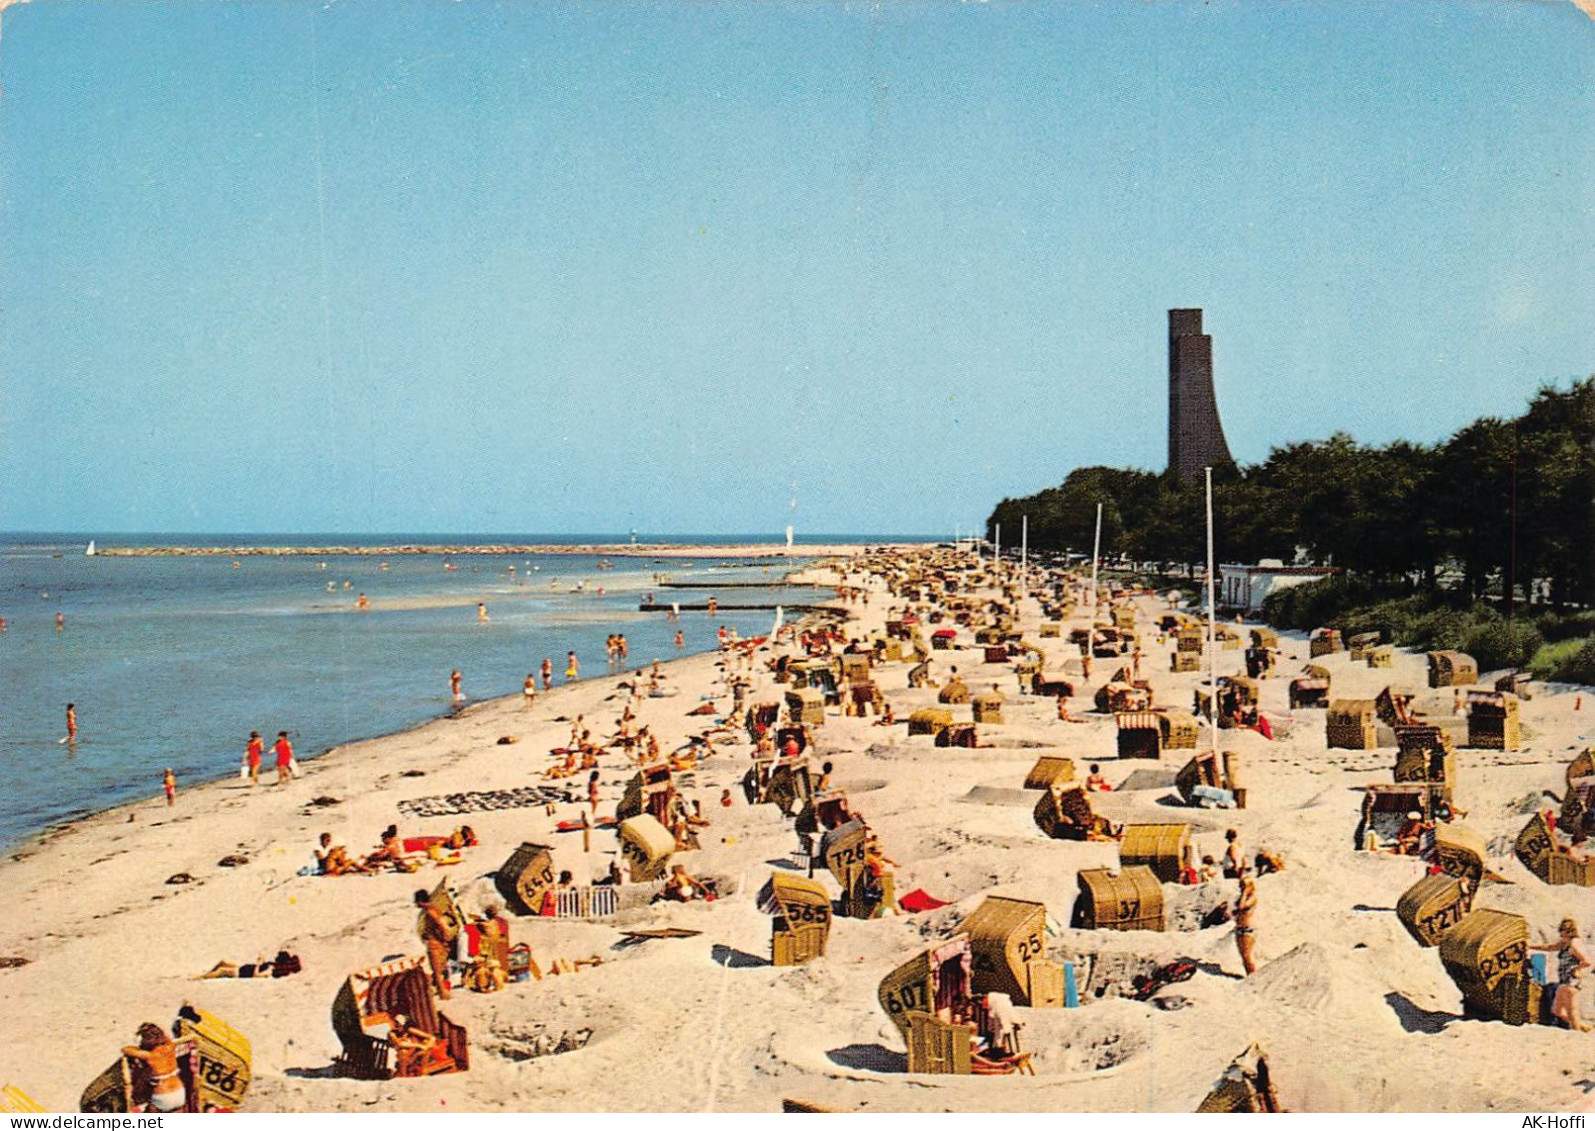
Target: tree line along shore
x,y
1483,542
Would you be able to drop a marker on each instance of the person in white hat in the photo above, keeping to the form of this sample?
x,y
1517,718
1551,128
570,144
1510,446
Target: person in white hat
x,y
1409,841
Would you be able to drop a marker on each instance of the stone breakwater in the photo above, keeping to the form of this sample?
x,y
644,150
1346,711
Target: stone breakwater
x,y
619,550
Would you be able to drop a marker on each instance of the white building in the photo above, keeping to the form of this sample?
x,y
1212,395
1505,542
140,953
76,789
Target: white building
x,y
1244,588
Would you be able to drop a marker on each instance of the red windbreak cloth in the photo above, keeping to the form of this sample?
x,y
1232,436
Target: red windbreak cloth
x,y
920,900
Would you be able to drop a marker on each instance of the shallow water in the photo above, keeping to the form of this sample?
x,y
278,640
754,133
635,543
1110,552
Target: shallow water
x,y
172,661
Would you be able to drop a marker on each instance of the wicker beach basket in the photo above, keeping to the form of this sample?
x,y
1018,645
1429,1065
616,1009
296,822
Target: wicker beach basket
x,y
1492,721
1259,662
646,846
1203,769
1305,693
954,691
1179,729
1246,1088
856,667
1185,661
1384,809
790,786
1380,656
1189,638
1520,684
1323,642
807,706
929,720
1432,906
987,708
1424,754
1264,638
1049,769
958,734
938,978
1064,812
1485,954
1129,901
1461,852
1349,725
801,926
1166,849
1007,942
648,791
524,878
1140,735
1391,707
1452,669
1536,847
1361,643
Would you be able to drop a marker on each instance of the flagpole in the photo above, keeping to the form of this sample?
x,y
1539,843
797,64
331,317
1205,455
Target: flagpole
x,y
1212,650
1096,552
1024,548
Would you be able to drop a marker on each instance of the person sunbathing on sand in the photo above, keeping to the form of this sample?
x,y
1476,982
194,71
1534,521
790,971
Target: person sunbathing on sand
x,y
391,852
333,860
681,887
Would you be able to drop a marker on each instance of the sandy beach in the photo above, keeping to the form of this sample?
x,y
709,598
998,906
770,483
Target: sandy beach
x,y
1353,1014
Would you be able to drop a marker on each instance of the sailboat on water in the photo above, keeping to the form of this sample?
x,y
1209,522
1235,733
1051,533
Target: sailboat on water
x,y
89,553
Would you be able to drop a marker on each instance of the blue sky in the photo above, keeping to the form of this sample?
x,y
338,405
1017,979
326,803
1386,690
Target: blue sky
x,y
580,267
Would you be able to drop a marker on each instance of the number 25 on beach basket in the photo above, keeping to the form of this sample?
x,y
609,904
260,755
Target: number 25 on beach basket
x,y
1007,939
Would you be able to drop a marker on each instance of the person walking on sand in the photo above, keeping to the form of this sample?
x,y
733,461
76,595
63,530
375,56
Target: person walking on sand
x,y
1245,929
169,783
592,791
529,690
547,671
454,687
285,757
573,668
252,754
1235,865
1571,962
438,939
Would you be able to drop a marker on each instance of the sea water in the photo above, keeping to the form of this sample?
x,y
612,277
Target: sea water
x,y
172,661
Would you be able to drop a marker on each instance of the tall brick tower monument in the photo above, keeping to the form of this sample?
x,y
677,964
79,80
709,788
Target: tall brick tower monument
x,y
1196,437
